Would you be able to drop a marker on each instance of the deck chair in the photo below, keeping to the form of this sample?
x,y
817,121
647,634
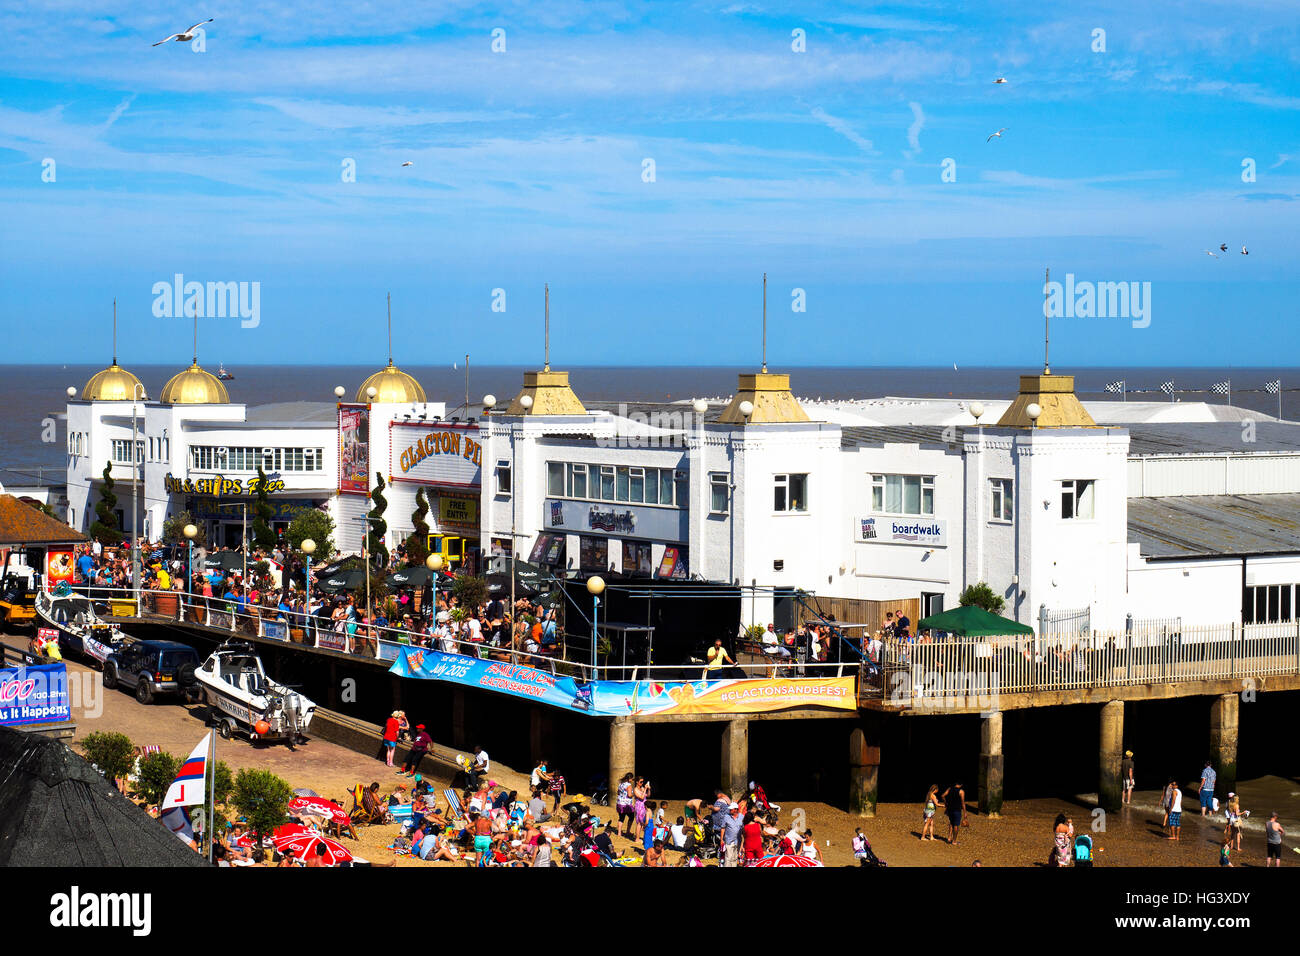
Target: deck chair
x,y
360,813
453,806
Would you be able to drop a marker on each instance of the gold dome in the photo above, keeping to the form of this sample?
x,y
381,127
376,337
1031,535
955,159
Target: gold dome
x,y
113,384
194,387
392,387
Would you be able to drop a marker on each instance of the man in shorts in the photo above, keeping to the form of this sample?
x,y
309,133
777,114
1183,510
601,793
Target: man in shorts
x,y
1126,776
954,805
482,829
1175,810
1273,830
1206,789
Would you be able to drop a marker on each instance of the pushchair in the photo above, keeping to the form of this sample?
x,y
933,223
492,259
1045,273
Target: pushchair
x,y
868,856
598,787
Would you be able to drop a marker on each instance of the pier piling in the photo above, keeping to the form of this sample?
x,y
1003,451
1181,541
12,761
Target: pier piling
x,y
1112,753
990,772
1223,743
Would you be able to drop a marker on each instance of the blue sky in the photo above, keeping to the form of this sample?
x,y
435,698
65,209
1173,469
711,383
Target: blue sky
x,y
821,167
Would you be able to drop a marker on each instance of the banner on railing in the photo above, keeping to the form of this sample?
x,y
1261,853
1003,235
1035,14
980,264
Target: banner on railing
x,y
222,619
332,640
625,698
275,630
34,695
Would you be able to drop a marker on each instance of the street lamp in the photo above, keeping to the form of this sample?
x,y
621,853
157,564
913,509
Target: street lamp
x,y
526,402
138,390
1033,410
595,585
190,531
434,563
339,391
308,547
371,392
977,412
746,409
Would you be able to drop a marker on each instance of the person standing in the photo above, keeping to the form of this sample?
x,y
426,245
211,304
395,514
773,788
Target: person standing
x,y
954,804
393,727
1126,777
1175,810
732,832
1274,832
928,811
1165,798
419,747
1205,789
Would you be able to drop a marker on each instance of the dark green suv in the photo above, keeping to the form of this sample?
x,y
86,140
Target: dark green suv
x,y
154,668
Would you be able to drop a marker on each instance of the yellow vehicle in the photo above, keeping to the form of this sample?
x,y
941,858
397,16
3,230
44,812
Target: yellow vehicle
x,y
451,548
17,594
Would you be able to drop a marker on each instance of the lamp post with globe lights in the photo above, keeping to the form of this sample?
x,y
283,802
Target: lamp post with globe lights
x,y
595,586
434,563
308,547
977,412
191,532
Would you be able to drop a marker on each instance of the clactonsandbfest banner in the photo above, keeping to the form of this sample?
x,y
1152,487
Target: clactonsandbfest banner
x,y
625,698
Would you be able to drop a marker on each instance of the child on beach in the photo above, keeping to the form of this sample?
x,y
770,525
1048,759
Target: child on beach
x,y
927,813
1225,851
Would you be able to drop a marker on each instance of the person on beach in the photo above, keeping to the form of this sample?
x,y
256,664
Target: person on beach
x,y
954,803
1205,789
1062,837
640,793
1165,798
809,848
1225,851
1232,812
928,811
1175,810
624,805
393,728
419,747
1126,777
1274,832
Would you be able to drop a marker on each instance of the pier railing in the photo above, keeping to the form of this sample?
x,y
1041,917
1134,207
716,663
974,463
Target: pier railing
x,y
969,672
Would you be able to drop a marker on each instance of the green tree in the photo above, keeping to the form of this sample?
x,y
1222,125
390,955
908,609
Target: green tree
x,y
262,799
225,782
981,595
157,771
174,529
470,591
378,527
111,752
417,545
315,524
105,529
263,536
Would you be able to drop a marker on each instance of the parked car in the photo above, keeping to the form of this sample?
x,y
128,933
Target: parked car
x,y
154,668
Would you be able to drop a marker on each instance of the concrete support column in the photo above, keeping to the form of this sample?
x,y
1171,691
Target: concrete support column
x,y
1112,754
735,756
622,751
539,733
458,719
864,770
1223,743
990,775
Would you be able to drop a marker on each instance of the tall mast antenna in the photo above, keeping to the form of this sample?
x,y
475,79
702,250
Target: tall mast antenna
x,y
546,366
1047,323
764,321
114,330
390,328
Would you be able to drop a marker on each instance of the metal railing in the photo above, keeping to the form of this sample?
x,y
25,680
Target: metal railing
x,y
973,671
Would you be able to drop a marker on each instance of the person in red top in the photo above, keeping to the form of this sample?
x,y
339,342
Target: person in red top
x,y
393,728
419,747
753,838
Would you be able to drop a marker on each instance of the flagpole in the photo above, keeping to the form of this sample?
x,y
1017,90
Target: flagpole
x,y
212,794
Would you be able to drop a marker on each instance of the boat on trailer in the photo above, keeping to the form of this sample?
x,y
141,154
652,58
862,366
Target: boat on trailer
x,y
81,631
242,698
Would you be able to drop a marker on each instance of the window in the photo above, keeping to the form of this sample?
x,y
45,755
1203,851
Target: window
x,y
636,485
1003,499
593,554
122,450
1077,497
578,481
1267,604
719,492
503,477
902,494
622,483
791,493
246,459
555,479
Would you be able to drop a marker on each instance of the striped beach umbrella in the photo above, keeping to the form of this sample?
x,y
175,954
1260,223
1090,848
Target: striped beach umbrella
x,y
786,859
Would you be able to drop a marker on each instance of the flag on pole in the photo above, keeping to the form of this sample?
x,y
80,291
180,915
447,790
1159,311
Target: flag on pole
x,y
1115,387
177,819
187,789
1222,388
1167,388
1273,387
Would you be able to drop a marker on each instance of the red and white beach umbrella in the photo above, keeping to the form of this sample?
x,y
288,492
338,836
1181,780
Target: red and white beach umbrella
x,y
303,843
317,807
786,859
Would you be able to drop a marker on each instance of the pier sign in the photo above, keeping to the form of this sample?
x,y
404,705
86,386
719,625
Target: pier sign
x,y
441,454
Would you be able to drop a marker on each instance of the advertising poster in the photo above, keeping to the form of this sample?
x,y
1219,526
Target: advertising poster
x,y
59,567
34,695
354,449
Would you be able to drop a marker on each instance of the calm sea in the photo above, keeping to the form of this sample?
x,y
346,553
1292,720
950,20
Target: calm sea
x,y
31,395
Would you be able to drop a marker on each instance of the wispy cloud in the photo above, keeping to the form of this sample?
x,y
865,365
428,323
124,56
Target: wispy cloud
x,y
844,129
914,131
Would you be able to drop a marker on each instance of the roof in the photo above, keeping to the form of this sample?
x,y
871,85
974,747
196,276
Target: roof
x,y
20,523
57,810
1192,438
1209,525
852,436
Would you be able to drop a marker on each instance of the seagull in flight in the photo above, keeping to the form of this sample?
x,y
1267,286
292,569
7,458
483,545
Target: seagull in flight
x,y
1210,254
187,36
1000,79
408,163
1223,247
998,133
1244,252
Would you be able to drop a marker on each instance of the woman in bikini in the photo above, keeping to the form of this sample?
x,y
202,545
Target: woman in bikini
x,y
927,813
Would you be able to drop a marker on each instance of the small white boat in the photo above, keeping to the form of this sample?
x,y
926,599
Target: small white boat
x,y
81,630
242,698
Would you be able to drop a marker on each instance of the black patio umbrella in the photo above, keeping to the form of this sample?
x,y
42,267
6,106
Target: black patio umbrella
x,y
419,576
224,561
348,579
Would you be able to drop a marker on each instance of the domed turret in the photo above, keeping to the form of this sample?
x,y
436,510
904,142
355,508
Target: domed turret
x,y
392,386
194,386
113,384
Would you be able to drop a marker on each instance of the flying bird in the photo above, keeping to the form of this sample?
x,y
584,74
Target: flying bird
x,y
187,36
1244,252
998,133
1223,247
1000,79
408,163
1210,254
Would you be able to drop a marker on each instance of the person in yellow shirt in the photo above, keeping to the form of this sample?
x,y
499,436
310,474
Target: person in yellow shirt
x,y
164,580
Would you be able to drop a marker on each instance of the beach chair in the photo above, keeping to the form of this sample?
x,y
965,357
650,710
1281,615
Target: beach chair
x,y
453,806
360,813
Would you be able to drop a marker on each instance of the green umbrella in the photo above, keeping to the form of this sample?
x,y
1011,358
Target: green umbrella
x,y
972,621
